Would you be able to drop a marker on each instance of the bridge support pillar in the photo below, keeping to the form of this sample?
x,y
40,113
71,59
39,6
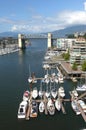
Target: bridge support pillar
x,y
49,40
21,41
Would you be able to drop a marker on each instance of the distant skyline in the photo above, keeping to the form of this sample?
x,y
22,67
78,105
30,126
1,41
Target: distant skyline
x,y
37,16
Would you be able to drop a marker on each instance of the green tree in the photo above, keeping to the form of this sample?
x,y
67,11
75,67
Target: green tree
x,y
84,66
74,66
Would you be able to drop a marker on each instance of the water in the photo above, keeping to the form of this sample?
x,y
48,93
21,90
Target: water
x,y
14,72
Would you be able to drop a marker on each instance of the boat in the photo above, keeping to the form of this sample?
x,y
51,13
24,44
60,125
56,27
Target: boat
x,y
41,93
26,95
53,91
58,104
30,78
47,92
50,107
81,88
41,107
35,93
75,107
34,109
61,92
60,78
22,110
82,104
75,93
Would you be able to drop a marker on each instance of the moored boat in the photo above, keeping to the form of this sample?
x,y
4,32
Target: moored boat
x,y
41,107
22,110
58,104
51,107
34,109
35,93
75,107
26,95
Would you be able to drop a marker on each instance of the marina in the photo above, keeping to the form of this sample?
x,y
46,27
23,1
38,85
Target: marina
x,y
52,78
16,83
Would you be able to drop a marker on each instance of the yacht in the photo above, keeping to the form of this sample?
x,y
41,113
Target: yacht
x,y
34,109
75,107
81,88
50,107
82,104
35,93
58,104
26,95
61,92
41,107
22,110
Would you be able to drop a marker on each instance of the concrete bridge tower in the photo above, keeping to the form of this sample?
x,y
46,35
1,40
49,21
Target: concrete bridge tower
x,y
21,41
49,40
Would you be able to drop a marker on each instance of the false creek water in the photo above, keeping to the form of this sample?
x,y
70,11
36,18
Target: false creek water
x,y
14,72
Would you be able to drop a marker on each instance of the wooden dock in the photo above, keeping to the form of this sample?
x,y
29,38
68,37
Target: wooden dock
x,y
29,108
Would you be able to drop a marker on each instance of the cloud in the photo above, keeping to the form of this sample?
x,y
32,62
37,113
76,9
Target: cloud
x,y
44,24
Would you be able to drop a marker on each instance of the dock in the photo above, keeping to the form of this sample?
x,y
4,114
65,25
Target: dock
x,y
29,108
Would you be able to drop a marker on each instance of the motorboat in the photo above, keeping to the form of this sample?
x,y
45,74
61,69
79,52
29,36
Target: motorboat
x,y
47,93
41,107
75,93
58,104
41,93
26,95
22,110
82,104
81,88
35,93
34,109
50,107
54,92
75,107
61,92
30,79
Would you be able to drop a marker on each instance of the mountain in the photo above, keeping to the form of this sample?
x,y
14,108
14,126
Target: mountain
x,y
69,30
56,33
9,34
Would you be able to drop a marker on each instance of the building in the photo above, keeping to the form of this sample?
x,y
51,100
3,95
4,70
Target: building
x,y
78,51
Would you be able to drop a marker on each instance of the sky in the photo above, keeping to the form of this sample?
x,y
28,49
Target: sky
x,y
36,16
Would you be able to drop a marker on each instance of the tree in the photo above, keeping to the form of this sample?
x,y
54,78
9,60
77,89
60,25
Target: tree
x,y
84,66
74,66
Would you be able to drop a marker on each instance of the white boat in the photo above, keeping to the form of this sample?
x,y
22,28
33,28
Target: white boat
x,y
46,66
56,79
22,110
82,104
41,107
61,92
34,109
30,78
41,93
51,107
81,88
47,93
26,95
74,92
35,93
75,107
58,104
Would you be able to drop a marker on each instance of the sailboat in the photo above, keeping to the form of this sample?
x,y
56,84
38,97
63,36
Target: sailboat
x,y
41,91
35,93
50,107
30,78
41,107
53,91
81,87
58,104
